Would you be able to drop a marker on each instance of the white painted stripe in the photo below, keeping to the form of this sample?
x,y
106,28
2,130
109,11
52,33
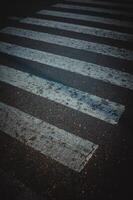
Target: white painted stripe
x,y
79,29
73,98
60,145
93,9
97,2
103,20
73,43
105,74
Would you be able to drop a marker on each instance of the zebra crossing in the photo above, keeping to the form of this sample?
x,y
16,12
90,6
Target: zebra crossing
x,y
73,43
80,67
79,28
102,3
50,140
93,9
86,18
59,144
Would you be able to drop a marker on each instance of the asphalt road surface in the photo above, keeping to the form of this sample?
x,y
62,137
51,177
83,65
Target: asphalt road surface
x,y
66,100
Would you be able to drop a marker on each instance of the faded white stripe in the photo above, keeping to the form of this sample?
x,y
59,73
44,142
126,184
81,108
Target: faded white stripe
x,y
73,43
60,145
93,9
73,98
103,3
103,20
79,29
105,74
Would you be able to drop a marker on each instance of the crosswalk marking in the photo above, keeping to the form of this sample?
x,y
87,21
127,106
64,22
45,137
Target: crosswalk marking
x,y
84,102
79,28
60,145
70,42
103,20
105,74
102,3
92,9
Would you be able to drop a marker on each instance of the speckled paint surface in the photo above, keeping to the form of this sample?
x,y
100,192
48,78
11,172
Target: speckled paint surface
x,y
108,174
66,148
73,43
106,74
84,102
78,28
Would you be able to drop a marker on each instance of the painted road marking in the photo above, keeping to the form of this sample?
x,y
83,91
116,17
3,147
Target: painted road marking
x,y
99,72
92,9
102,3
60,145
70,42
73,98
91,18
79,29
